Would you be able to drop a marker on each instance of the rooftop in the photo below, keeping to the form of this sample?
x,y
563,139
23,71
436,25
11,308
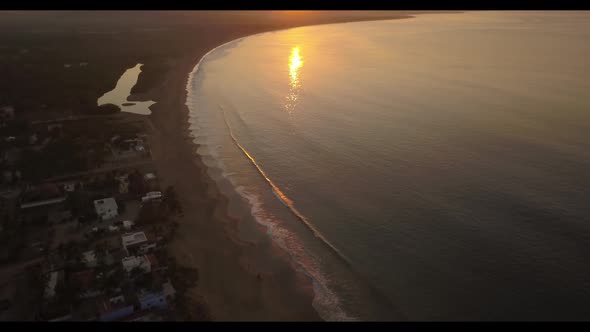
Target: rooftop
x,y
132,262
51,284
100,203
168,290
128,223
133,238
89,257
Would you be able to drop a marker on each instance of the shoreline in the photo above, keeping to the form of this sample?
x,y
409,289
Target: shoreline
x,y
227,283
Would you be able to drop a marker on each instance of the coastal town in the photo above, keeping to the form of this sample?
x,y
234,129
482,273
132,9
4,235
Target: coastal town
x,y
84,223
107,210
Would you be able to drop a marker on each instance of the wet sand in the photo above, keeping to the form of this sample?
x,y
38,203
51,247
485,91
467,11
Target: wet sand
x,y
207,239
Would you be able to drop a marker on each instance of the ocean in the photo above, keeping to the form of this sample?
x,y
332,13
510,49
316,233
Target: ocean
x,y
430,168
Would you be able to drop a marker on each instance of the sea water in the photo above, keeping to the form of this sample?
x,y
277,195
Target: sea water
x,y
431,168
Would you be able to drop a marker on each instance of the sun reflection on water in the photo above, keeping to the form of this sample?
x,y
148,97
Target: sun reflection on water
x,y
295,64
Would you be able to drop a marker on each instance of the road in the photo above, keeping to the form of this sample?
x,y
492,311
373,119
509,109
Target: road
x,y
143,162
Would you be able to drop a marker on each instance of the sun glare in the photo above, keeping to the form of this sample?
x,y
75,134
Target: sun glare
x,y
295,64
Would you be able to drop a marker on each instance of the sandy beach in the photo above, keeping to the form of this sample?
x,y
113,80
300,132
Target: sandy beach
x,y
237,280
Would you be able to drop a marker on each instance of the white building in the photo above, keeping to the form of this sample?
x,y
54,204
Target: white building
x,y
70,186
106,208
51,284
54,278
146,248
152,195
168,290
89,258
133,240
132,262
128,224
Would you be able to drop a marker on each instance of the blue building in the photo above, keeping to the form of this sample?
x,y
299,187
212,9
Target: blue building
x,y
153,301
114,309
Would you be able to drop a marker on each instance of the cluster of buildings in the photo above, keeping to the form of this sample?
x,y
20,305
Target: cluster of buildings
x,y
124,282
95,258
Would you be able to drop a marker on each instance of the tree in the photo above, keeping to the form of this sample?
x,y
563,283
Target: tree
x,y
121,206
151,212
135,272
101,256
171,200
108,109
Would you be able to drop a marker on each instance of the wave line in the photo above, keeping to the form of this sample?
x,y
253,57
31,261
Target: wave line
x,y
281,196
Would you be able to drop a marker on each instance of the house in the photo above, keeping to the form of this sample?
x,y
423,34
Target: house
x,y
70,187
153,300
54,278
132,241
169,291
114,309
51,285
152,195
106,208
147,247
127,148
151,181
133,262
139,147
123,183
128,224
134,144
89,258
